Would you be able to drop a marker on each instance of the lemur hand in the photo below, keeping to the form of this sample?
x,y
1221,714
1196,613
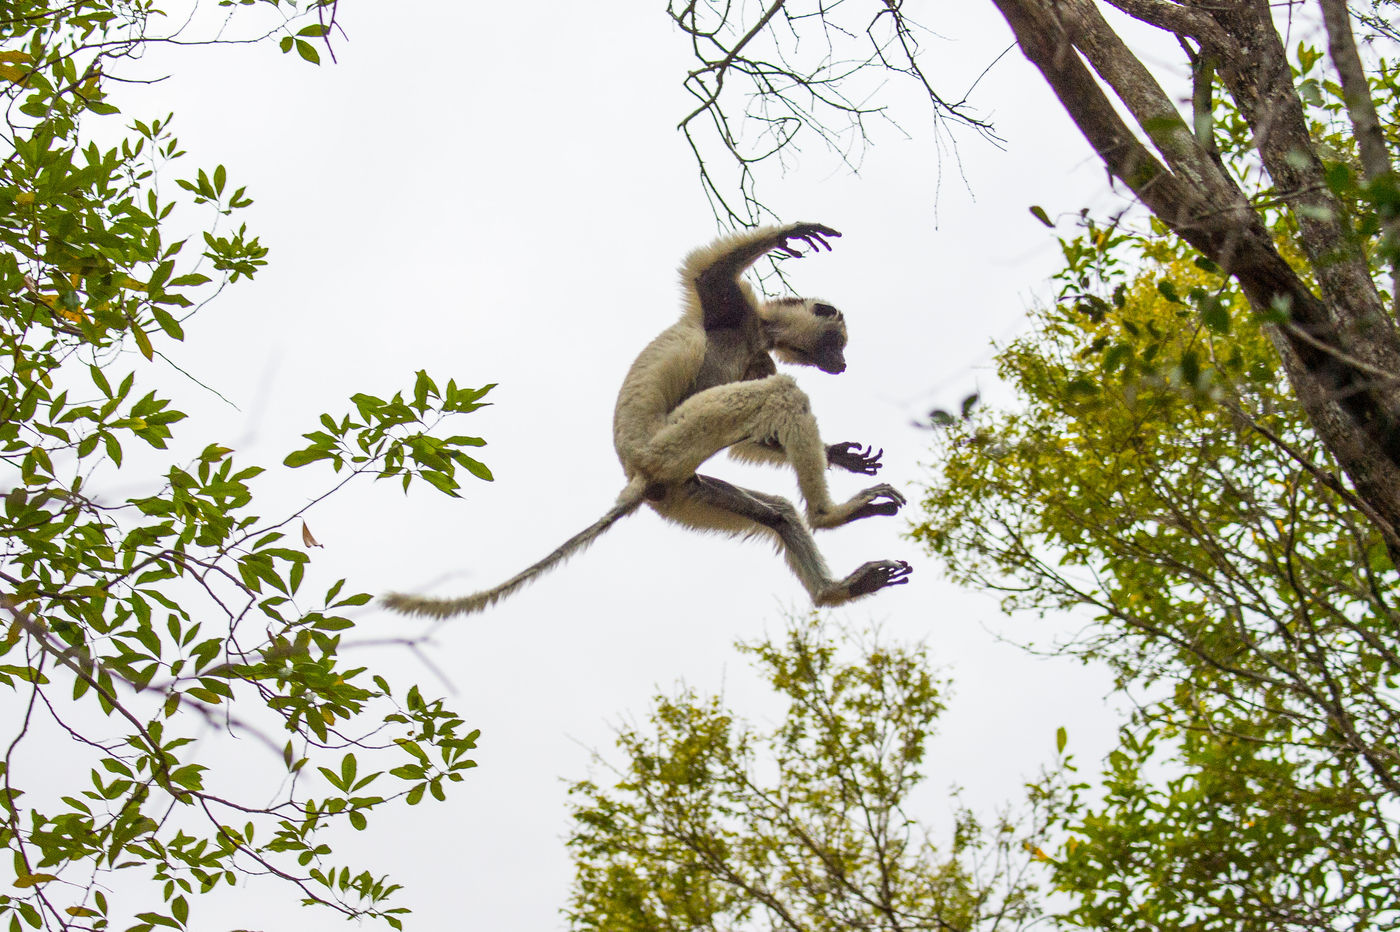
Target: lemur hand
x,y
850,457
813,234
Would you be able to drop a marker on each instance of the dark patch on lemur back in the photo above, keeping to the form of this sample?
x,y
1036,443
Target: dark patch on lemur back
x,y
731,353
655,491
722,301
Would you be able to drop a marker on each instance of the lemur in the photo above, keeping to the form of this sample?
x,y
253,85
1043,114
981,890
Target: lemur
x,y
708,382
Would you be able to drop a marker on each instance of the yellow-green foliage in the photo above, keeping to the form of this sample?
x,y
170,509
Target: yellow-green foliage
x,y
1160,478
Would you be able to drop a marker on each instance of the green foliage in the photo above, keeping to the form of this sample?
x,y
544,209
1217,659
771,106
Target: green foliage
x,y
137,626
713,824
386,435
1246,834
1190,510
1161,478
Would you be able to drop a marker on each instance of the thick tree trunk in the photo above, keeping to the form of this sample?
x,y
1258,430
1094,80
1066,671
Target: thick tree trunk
x,y
1341,348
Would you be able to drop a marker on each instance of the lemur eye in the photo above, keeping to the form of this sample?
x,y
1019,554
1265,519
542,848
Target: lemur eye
x,y
825,310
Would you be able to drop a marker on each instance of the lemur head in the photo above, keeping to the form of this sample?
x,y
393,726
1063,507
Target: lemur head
x,y
806,332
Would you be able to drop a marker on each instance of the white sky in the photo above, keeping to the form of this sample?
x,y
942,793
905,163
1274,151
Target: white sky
x,y
497,193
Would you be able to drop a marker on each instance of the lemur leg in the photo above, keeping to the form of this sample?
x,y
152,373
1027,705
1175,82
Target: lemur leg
x,y
760,410
712,504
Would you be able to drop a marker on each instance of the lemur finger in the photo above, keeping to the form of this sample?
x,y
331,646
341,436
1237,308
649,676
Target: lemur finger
x,y
884,490
821,229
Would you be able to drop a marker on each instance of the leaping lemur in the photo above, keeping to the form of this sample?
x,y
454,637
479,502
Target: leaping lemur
x,y
708,382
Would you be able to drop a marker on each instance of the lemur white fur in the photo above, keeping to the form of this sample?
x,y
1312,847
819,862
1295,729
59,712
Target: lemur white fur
x,y
707,383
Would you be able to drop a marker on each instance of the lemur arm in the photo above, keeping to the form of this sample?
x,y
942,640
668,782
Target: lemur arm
x,y
714,271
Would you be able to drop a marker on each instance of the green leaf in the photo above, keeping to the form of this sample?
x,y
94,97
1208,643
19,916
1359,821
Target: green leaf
x,y
347,771
299,458
160,276
143,342
1215,314
1115,356
1190,368
168,324
1083,387
475,468
100,380
442,482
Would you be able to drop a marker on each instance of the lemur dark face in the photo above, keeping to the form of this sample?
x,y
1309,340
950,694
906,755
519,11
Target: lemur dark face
x,y
829,355
809,333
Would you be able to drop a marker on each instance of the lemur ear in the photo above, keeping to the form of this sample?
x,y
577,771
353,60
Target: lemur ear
x,y
825,310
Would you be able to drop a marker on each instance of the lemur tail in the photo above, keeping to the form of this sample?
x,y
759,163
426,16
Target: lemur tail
x,y
627,503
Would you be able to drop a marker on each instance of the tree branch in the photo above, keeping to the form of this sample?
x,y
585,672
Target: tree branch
x,y
1366,125
1149,104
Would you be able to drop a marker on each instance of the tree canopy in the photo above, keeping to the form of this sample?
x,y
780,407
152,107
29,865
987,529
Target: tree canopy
x,y
1173,476
1162,480
149,606
713,823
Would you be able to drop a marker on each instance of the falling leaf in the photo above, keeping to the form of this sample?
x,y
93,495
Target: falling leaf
x,y
1039,213
306,537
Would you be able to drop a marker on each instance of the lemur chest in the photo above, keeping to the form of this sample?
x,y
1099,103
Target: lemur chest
x,y
731,355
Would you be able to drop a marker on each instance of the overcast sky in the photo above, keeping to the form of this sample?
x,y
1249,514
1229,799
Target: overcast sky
x,y
497,193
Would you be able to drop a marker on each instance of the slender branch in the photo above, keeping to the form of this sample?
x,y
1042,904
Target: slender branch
x,y
1366,125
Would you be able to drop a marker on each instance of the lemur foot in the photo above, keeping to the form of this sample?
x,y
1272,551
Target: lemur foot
x,y
882,499
877,575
